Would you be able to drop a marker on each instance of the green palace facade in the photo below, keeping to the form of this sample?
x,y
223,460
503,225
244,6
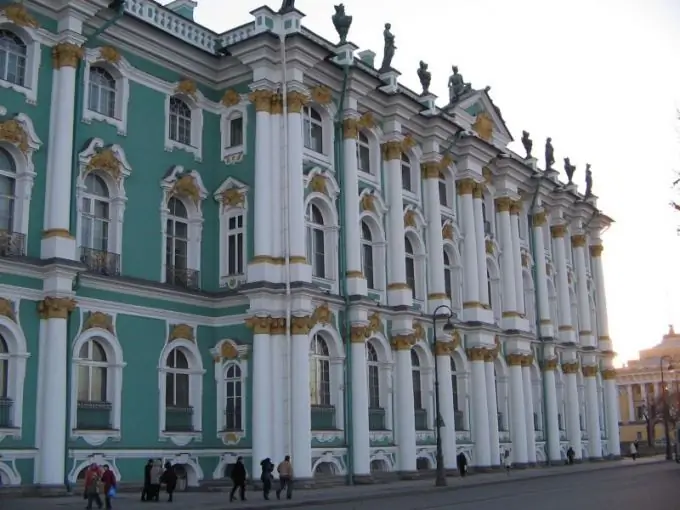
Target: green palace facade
x,y
221,245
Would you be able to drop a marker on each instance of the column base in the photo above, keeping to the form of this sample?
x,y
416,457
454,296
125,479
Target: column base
x,y
264,268
515,323
587,341
566,337
399,295
547,331
58,244
474,312
435,300
595,459
356,286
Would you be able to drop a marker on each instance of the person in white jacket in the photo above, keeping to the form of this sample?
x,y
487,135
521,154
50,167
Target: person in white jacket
x,y
633,451
507,462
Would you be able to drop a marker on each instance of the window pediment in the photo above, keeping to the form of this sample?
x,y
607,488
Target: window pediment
x,y
109,159
20,133
185,184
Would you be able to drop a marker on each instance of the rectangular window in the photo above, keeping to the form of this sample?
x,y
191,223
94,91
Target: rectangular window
x,y
235,246
364,158
236,132
313,136
367,255
447,282
417,393
411,275
233,411
319,260
443,194
406,177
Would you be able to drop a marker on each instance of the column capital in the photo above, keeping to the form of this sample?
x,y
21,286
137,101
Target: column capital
x,y
578,240
262,99
609,374
514,360
476,353
444,348
516,207
430,169
465,186
277,326
300,325
66,54
296,100
527,360
402,342
490,355
538,219
359,334
550,364
478,190
558,231
56,308
391,150
596,250
589,370
570,367
259,325
277,104
503,204
350,128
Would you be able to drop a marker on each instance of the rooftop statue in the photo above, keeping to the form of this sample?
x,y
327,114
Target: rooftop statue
x,y
527,143
569,169
425,77
388,53
589,181
457,86
341,22
549,154
287,6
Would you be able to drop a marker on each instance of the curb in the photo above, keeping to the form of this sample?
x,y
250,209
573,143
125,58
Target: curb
x,y
397,491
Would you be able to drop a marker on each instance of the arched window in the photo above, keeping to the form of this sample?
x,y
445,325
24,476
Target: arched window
x,y
367,255
179,413
443,191
95,207
180,121
312,125
235,131
102,93
363,153
7,190
94,404
234,398
316,245
13,53
320,376
406,177
448,276
410,266
4,374
373,377
176,242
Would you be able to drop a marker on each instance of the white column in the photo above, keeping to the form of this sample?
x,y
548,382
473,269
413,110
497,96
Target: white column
x,y
600,297
57,240
448,430
546,325
593,412
471,284
631,407
300,270
565,326
277,173
585,332
515,210
435,242
301,422
356,283
492,407
398,292
54,313
551,411
405,422
278,418
518,430
361,445
529,409
569,371
480,411
480,240
262,389
507,259
612,406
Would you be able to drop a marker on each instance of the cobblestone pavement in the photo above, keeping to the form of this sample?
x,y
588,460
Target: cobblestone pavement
x,y
417,492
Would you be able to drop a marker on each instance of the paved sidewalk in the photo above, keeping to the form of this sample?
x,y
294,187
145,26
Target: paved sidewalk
x,y
314,497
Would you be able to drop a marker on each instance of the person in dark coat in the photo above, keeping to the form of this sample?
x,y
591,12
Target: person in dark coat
x,y
266,477
238,476
109,481
146,492
461,461
169,478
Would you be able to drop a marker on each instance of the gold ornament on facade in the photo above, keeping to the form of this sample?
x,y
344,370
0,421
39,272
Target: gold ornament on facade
x,y
446,161
410,219
368,203
321,95
465,186
578,240
262,99
66,55
105,161
231,98
525,260
589,370
516,207
228,351
322,315
476,353
17,14
11,131
596,250
7,309
402,342
233,197
181,331
277,104
300,325
318,184
408,143
391,150
430,170
609,374
550,364
487,174
443,348
350,128
489,355
374,324
99,320
558,231
109,54
277,325
418,331
186,186
570,367
527,360
366,121
483,126
187,88
478,190
55,308
455,339
259,325
538,219
503,204
488,245
514,360
296,100
447,231
358,334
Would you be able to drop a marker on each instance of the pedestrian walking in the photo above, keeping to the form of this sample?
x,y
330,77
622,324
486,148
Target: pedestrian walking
x,y
266,476
461,461
285,470
169,478
507,462
109,481
633,451
146,490
238,477
93,486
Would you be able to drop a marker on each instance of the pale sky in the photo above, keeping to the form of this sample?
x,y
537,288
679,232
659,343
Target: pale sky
x,y
601,77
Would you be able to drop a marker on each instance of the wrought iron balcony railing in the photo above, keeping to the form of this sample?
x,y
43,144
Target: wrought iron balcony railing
x,y
100,262
376,419
179,419
93,415
12,244
233,419
323,418
182,277
6,405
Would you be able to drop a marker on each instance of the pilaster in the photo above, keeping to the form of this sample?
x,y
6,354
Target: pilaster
x,y
569,370
612,410
431,171
586,336
511,318
529,410
551,409
360,402
473,309
301,423
480,241
604,341
402,343
518,430
492,406
515,211
543,304
593,408
443,350
480,411
566,329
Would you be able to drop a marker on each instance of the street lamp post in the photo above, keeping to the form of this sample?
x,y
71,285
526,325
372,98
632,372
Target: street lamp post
x,y
440,480
669,455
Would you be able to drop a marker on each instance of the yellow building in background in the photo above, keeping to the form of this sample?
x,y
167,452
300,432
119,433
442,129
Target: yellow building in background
x,y
639,384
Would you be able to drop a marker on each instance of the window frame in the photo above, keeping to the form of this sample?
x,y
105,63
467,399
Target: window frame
x,y
33,40
120,71
234,154
195,104
238,356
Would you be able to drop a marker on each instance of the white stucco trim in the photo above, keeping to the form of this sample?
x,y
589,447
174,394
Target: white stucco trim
x,y
16,343
31,38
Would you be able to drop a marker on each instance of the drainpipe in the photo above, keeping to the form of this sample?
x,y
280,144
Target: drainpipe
x,y
118,6
339,166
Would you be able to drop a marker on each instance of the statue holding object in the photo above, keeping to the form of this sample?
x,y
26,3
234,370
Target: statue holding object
x,y
549,154
388,53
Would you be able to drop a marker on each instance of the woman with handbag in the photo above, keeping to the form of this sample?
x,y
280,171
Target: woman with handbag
x,y
109,481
